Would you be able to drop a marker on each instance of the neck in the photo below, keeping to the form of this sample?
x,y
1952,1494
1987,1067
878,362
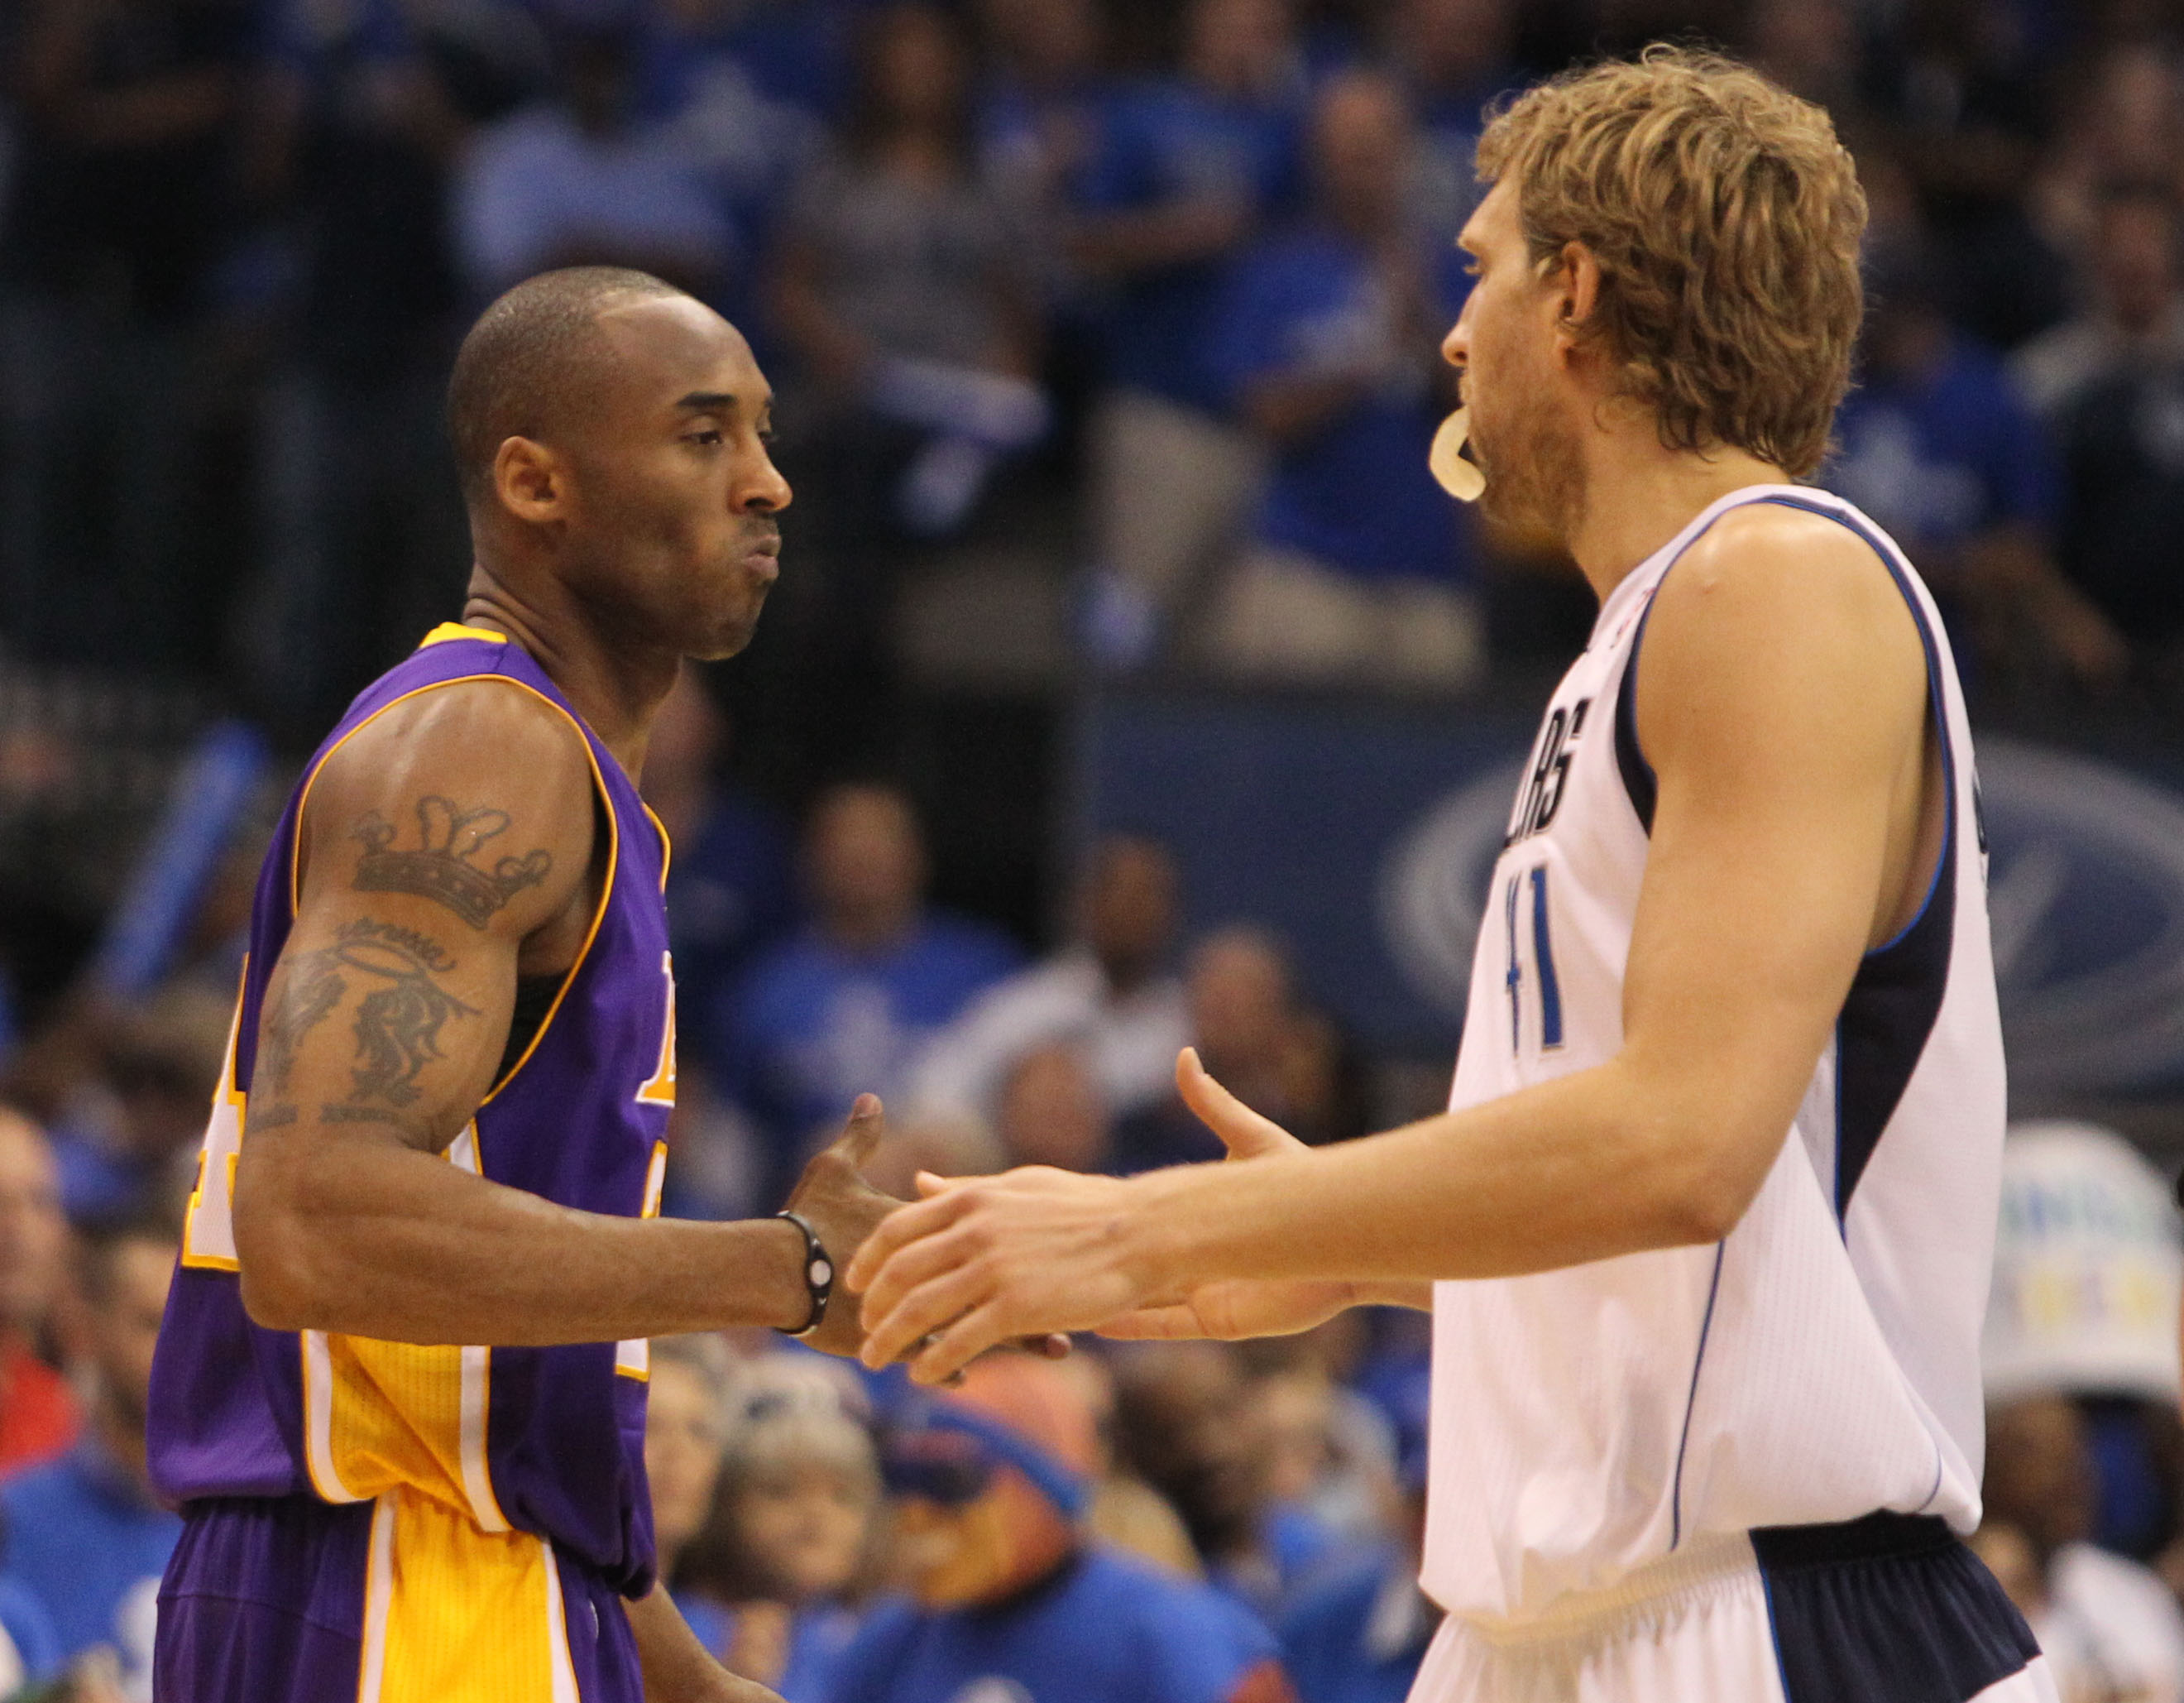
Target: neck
x,y
1638,494
616,690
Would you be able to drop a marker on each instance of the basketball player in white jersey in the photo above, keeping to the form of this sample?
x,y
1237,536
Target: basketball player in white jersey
x,y
1707,1225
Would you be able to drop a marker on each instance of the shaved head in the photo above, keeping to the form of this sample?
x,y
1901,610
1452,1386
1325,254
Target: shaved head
x,y
531,355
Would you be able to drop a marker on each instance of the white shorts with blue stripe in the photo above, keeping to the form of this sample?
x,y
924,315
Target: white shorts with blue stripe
x,y
1884,1610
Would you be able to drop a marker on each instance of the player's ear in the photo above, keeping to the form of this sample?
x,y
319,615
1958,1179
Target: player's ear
x,y
1576,282
529,480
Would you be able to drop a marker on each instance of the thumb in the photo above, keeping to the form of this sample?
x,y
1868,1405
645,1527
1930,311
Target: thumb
x,y
1243,1131
929,1185
860,1137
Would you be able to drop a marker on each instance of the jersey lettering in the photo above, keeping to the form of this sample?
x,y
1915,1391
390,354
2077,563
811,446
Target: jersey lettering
x,y
1542,795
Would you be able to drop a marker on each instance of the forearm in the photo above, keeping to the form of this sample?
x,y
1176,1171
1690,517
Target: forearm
x,y
1584,1168
401,1246
675,1665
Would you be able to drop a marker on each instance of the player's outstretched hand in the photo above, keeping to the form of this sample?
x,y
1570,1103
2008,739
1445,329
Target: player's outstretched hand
x,y
1245,1307
983,1260
843,1209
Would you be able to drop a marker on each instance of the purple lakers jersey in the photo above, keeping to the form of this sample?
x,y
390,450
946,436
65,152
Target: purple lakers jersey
x,y
549,1441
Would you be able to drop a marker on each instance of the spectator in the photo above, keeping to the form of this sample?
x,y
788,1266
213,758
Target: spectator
x,y
1358,1635
685,1430
1006,1596
945,1145
127,1143
1286,1062
2121,121
121,217
1051,1112
1111,995
363,112
843,1006
1185,1422
731,881
2109,1626
1125,1511
1039,109
2117,381
904,294
2088,1261
776,1572
1940,450
1812,49
1961,90
584,180
2134,316
37,1413
84,1533
1330,1460
1358,572
1454,58
1190,168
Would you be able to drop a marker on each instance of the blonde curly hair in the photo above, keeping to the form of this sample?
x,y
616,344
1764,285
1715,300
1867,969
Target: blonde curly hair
x,y
1725,217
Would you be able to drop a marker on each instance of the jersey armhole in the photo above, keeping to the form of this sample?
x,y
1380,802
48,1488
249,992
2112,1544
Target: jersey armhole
x,y
603,807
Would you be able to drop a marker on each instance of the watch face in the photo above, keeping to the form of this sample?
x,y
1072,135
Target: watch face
x,y
821,1275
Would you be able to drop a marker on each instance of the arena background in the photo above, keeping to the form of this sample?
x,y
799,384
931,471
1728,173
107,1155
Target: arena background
x,y
1090,320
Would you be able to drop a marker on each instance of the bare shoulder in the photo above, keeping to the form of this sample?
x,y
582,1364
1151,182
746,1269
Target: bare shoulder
x,y
477,795
1785,600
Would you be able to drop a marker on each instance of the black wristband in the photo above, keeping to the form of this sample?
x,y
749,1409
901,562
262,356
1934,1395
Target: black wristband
x,y
818,1277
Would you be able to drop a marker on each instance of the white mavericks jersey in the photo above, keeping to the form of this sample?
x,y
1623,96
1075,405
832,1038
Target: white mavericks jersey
x,y
1822,1361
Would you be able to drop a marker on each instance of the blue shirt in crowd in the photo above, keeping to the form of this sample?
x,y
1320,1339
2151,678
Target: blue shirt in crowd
x,y
1359,1636
1940,456
730,895
817,1025
91,1547
1107,1628
1167,143
1355,494
816,1639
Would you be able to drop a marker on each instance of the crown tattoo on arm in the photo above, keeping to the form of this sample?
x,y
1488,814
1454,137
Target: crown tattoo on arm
x,y
443,866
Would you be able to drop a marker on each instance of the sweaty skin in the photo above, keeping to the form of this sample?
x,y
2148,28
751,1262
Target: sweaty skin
x,y
1783,704
449,854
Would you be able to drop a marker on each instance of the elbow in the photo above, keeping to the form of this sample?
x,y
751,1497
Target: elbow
x,y
1711,1193
284,1286
1704,1211
1710,1188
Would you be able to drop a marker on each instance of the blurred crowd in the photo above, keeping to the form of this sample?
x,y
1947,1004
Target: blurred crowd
x,y
1149,295
1154,288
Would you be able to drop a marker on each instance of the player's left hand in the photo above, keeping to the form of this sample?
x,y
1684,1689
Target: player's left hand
x,y
983,1260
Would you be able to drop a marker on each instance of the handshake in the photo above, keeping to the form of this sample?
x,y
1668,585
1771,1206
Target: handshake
x,y
1031,1254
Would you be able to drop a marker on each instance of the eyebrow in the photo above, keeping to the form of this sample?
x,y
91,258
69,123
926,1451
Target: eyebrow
x,y
707,402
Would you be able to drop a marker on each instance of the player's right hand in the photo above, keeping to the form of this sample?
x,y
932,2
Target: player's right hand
x,y
842,1209
1230,1310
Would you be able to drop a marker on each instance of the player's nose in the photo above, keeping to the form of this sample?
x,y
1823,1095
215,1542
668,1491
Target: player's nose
x,y
764,491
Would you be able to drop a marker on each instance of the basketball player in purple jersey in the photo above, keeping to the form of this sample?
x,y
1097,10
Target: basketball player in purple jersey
x,y
444,1114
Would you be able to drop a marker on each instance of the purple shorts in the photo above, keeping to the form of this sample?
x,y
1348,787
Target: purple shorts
x,y
397,1600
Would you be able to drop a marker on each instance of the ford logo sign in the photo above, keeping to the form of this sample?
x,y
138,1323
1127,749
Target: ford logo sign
x,y
2086,899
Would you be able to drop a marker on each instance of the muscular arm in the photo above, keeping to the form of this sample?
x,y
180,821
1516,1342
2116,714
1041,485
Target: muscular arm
x,y
382,1027
1782,703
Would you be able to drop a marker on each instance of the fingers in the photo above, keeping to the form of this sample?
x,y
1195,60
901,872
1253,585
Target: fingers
x,y
860,1137
924,1307
897,1231
928,1185
954,1349
1243,1131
